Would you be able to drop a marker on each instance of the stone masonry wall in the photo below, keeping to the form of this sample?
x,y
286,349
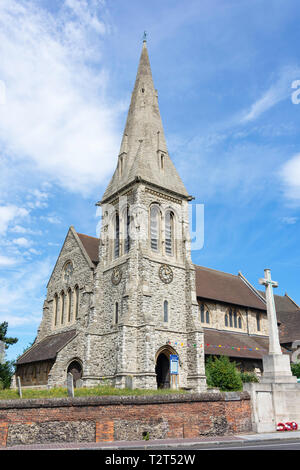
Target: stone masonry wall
x,y
96,419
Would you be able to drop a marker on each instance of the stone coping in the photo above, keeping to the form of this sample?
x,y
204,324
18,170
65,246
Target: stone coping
x,y
110,400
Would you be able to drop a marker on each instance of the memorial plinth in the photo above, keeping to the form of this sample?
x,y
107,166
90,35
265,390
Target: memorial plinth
x,y
276,397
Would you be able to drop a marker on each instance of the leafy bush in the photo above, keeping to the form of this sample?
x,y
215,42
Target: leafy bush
x,y
249,377
223,374
296,369
6,373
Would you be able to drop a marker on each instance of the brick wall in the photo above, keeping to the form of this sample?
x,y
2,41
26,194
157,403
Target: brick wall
x,y
95,419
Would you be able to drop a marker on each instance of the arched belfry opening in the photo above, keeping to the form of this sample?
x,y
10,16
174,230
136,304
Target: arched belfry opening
x,y
162,368
75,369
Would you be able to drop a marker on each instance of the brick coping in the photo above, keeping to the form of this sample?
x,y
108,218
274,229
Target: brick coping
x,y
110,400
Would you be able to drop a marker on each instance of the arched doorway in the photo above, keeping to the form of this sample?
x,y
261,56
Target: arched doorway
x,y
162,371
162,368
75,369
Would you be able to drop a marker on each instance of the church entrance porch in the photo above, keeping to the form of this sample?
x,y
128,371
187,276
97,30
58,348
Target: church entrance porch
x,y
162,368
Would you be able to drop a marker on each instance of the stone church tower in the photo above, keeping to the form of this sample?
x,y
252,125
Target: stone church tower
x,y
136,304
145,283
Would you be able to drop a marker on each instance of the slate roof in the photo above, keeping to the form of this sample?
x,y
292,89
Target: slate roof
x,y
47,348
237,345
91,245
223,287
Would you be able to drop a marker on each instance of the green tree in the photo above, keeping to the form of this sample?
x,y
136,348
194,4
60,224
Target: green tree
x,y
223,374
3,331
7,368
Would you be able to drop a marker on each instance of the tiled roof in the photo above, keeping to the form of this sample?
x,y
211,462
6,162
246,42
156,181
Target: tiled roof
x,y
91,245
219,286
47,348
239,345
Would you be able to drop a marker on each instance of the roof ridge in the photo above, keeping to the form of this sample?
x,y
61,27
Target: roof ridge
x,y
90,236
216,270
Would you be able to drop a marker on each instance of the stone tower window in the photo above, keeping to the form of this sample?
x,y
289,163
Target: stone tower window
x,y
127,230
117,236
169,233
166,311
154,227
116,313
162,162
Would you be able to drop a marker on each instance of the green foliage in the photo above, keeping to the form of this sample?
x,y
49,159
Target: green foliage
x,y
296,369
7,370
249,377
223,374
3,337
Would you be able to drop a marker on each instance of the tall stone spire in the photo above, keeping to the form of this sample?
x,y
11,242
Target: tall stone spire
x,y
143,153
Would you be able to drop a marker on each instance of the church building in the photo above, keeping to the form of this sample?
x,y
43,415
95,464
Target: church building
x,y
121,306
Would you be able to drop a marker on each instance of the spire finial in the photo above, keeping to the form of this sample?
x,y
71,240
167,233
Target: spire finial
x,y
145,36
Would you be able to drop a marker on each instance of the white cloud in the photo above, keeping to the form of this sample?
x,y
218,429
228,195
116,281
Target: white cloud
x,y
25,230
22,242
290,175
6,261
8,214
289,220
56,116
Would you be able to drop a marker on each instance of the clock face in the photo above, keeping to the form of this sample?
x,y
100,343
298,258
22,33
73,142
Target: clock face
x,y
166,273
116,276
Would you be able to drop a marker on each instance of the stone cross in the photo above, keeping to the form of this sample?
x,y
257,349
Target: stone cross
x,y
274,344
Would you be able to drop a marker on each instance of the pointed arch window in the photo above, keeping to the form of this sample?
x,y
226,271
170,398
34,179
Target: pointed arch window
x,y
127,243
169,233
258,322
116,313
230,317
117,236
62,298
166,311
55,309
69,304
202,314
154,227
76,290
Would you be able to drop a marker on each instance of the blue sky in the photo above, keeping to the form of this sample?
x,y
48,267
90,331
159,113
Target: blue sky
x,y
224,73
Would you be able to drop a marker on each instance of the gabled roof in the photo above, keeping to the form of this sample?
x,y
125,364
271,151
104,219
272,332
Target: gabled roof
x,y
48,348
228,288
91,246
283,303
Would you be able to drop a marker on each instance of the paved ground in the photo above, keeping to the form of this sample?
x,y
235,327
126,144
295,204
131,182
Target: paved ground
x,y
165,443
